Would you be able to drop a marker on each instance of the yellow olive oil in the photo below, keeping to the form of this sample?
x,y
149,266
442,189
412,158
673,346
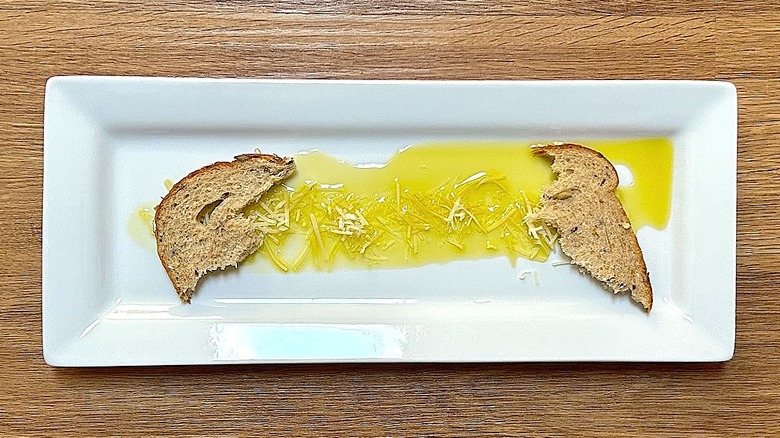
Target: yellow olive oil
x,y
433,203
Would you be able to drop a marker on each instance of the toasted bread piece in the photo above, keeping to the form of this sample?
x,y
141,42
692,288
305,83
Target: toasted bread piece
x,y
199,225
593,227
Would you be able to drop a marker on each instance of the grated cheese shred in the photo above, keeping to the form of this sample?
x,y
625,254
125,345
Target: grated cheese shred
x,y
464,219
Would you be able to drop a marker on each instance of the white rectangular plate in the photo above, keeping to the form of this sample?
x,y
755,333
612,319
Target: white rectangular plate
x,y
109,142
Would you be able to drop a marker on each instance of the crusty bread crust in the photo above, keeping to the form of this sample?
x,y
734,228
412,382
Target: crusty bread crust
x,y
593,226
199,226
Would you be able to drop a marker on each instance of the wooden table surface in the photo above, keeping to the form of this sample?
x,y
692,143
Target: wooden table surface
x,y
386,39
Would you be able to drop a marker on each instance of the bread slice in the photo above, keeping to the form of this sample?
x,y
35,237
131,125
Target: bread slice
x,y
199,225
593,227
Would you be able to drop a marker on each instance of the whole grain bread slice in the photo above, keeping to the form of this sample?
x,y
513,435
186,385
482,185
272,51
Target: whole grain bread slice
x,y
593,227
199,225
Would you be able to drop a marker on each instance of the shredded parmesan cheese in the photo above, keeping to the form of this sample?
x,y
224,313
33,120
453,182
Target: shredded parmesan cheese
x,y
534,274
479,213
316,227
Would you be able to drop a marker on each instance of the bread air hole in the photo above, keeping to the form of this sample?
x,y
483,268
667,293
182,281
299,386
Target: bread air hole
x,y
205,213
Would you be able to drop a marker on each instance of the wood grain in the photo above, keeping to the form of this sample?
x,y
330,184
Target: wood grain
x,y
393,39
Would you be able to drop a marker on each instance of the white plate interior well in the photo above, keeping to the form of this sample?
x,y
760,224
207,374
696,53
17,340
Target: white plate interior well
x,y
110,142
